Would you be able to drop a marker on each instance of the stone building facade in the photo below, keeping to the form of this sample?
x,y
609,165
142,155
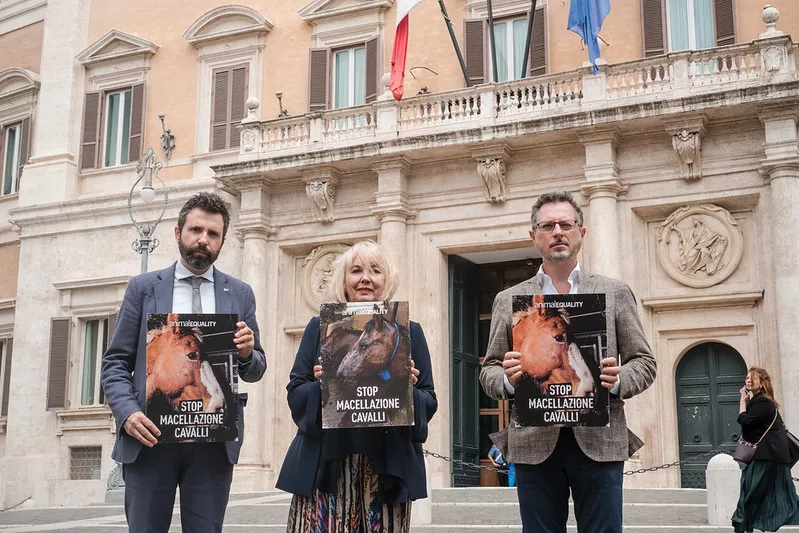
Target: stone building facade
x,y
683,151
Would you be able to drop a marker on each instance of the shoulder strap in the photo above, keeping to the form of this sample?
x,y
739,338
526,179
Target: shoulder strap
x,y
776,412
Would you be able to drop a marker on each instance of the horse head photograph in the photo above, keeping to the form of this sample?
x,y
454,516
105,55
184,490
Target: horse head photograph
x,y
548,355
178,368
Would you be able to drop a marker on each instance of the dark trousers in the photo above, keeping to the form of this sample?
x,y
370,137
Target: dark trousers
x,y
203,473
595,487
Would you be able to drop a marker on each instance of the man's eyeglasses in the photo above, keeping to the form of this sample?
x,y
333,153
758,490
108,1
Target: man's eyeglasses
x,y
565,225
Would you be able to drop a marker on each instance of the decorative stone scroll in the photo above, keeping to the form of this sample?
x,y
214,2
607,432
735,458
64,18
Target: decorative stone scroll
x,y
700,246
688,147
493,172
322,195
317,270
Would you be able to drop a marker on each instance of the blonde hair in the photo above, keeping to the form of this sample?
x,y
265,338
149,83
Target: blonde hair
x,y
370,253
765,383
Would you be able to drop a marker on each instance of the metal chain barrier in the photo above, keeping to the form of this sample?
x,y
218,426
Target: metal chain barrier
x,y
715,451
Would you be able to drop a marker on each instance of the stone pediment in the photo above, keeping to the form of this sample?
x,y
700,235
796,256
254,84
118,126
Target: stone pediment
x,y
225,22
117,45
16,80
322,9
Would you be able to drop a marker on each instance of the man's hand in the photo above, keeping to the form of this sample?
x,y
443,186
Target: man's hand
x,y
142,429
610,372
513,368
244,340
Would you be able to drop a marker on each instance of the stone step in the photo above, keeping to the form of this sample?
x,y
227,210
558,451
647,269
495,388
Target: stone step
x,y
506,494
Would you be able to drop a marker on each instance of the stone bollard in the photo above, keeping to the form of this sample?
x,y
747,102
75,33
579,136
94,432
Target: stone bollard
x,y
422,510
723,477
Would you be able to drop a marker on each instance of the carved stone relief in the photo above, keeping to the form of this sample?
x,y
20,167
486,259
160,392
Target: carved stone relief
x,y
773,58
317,270
322,195
700,246
688,147
493,172
248,140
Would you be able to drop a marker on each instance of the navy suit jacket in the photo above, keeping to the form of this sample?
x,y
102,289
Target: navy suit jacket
x,y
124,362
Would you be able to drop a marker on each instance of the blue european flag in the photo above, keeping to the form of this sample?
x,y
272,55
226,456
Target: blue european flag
x,y
585,19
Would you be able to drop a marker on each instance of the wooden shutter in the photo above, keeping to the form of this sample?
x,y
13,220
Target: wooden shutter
x,y
724,14
7,378
538,44
319,79
219,112
239,82
653,27
59,359
371,70
24,148
136,124
112,325
475,36
91,131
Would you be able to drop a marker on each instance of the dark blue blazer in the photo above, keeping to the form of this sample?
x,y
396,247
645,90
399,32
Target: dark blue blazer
x,y
404,456
124,362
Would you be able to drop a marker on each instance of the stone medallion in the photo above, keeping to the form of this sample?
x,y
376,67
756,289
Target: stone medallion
x,y
700,246
317,270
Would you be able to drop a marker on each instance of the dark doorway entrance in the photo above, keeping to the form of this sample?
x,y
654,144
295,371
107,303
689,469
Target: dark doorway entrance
x,y
472,289
709,378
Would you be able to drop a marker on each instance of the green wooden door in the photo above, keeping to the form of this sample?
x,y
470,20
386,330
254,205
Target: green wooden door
x,y
465,361
709,377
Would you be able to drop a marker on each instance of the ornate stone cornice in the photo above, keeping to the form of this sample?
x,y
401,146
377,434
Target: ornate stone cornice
x,y
774,168
777,111
601,173
393,163
400,212
612,135
610,188
254,224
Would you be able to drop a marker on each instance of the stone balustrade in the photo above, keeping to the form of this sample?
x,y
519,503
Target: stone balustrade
x,y
649,81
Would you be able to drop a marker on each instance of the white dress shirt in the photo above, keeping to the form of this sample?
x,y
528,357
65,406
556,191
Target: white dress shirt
x,y
182,292
547,287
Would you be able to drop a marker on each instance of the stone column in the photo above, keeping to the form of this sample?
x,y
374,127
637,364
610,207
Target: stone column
x,y
51,174
392,210
781,168
254,470
602,188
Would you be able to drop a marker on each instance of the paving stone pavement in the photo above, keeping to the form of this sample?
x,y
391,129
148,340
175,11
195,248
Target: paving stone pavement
x,y
453,510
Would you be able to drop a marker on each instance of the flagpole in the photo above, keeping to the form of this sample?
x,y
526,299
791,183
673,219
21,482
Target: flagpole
x,y
455,43
530,19
491,42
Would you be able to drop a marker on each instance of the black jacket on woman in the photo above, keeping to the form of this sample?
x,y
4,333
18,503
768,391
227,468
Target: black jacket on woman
x,y
399,448
754,423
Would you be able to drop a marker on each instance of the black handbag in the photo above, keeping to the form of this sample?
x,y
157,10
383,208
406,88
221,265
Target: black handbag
x,y
746,450
793,447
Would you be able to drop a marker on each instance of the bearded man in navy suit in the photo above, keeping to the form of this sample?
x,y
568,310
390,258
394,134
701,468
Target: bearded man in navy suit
x,y
153,471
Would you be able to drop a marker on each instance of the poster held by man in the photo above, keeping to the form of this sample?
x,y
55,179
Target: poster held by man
x,y
561,338
366,360
192,377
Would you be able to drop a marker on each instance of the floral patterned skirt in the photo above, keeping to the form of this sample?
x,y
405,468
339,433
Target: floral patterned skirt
x,y
353,508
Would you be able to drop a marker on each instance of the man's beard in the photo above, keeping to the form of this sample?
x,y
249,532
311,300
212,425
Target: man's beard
x,y
565,255
198,262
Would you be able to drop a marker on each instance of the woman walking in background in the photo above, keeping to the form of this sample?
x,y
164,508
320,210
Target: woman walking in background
x,y
768,499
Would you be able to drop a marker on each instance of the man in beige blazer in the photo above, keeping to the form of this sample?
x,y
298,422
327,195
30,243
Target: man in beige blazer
x,y
552,461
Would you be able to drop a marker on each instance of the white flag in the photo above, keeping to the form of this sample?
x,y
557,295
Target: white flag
x,y
404,6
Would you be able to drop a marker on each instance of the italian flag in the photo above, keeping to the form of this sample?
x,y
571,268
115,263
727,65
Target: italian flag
x,y
400,47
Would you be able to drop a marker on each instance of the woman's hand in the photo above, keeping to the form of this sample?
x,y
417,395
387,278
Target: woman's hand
x,y
414,373
317,370
744,393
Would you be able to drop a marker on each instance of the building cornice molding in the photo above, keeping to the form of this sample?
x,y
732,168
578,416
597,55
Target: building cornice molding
x,y
116,45
320,9
241,21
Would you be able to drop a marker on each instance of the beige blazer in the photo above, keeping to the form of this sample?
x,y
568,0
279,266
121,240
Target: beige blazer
x,y
626,342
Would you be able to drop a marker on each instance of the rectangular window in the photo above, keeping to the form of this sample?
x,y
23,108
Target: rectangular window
x,y
117,127
95,342
349,77
510,37
12,145
229,92
690,24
